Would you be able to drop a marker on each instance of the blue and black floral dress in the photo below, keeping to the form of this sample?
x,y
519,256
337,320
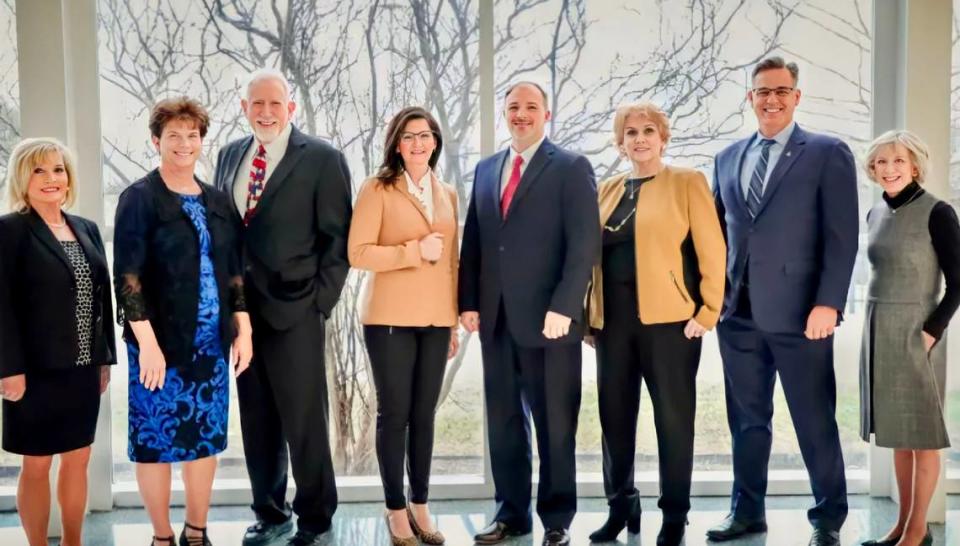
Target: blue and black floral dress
x,y
187,418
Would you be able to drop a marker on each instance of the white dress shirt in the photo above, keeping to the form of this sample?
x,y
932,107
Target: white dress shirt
x,y
527,155
275,151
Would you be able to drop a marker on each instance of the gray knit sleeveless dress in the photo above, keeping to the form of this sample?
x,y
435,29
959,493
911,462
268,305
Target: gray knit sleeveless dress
x,y
901,386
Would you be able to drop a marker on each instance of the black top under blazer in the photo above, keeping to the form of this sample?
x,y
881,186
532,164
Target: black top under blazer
x,y
156,265
38,319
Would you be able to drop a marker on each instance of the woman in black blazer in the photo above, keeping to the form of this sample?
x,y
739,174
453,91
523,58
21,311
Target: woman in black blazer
x,y
56,335
180,293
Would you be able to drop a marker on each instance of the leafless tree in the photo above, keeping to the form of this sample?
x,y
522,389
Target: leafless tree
x,y
9,109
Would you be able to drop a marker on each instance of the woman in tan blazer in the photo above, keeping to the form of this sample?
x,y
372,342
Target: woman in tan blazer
x,y
658,289
404,233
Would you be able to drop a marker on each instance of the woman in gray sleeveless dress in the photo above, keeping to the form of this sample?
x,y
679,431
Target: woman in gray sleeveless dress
x,y
914,244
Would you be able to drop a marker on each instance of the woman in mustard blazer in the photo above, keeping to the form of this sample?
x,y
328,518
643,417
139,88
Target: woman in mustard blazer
x,y
404,233
658,289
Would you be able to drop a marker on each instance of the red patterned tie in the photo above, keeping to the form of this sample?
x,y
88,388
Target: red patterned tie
x,y
511,186
255,187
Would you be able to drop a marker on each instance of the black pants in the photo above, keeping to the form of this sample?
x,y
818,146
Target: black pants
x,y
543,382
629,352
283,402
408,366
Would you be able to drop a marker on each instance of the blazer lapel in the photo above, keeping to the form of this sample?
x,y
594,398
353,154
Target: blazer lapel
x,y
42,232
401,184
493,188
737,167
233,166
532,174
86,243
788,157
295,151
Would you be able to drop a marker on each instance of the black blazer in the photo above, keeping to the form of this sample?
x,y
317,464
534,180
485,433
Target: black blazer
x,y
541,257
295,248
156,265
38,324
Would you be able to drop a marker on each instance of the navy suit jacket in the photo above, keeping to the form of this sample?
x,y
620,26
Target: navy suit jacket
x,y
800,249
540,257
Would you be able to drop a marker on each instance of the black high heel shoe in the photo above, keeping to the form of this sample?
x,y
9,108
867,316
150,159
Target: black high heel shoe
x,y
186,540
616,521
169,540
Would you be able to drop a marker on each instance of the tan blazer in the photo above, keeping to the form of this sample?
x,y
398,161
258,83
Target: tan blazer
x,y
402,289
674,205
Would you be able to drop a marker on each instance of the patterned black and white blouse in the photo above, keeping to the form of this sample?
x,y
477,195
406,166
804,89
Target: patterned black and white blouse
x,y
84,278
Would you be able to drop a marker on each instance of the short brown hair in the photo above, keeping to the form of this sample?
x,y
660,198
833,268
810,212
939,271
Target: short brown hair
x,y
546,103
25,156
179,108
643,109
392,164
774,63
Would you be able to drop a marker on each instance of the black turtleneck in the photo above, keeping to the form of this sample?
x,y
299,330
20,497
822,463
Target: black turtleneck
x,y
945,234
619,263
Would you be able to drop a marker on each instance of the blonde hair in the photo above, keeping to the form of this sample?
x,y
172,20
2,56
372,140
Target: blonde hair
x,y
919,153
644,109
26,155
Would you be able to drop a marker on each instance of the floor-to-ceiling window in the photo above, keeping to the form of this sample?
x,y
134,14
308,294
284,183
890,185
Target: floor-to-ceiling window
x,y
694,60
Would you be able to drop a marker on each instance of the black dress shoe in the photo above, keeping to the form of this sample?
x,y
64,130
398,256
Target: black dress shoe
x,y
671,533
307,538
731,528
616,521
497,532
262,532
556,537
825,537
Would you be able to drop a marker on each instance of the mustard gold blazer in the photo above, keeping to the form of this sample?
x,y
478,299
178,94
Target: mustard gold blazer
x,y
675,205
401,288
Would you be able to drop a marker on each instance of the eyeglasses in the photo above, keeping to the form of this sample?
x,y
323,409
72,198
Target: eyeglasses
x,y
780,92
425,137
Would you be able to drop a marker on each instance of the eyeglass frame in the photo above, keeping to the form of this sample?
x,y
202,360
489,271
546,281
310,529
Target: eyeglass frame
x,y
423,136
780,92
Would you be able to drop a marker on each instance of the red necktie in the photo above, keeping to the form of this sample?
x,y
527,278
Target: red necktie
x,y
511,186
255,187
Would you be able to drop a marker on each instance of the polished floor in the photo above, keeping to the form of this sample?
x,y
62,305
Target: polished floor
x,y
362,524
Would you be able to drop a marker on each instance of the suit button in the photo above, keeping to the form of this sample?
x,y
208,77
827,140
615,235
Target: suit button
x,y
501,249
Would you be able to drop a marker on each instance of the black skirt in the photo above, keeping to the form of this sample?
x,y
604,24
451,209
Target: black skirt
x,y
58,412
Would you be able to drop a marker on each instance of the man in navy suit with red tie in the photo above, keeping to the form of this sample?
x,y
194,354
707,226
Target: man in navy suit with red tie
x,y
787,199
531,238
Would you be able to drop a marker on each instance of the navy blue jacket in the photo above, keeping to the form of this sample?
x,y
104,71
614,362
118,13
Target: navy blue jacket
x,y
800,249
540,258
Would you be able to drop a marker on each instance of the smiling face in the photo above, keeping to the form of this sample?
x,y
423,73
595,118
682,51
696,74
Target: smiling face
x,y
642,141
526,115
774,98
49,181
893,168
179,144
268,108
416,145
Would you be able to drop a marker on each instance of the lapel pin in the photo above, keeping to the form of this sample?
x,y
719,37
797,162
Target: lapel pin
x,y
788,154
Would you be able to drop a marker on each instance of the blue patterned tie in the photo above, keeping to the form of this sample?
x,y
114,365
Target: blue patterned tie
x,y
755,192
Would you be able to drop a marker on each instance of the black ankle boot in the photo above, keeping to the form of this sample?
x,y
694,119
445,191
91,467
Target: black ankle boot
x,y
616,521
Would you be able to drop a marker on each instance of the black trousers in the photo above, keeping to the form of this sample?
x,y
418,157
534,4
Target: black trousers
x,y
284,409
629,352
408,365
543,382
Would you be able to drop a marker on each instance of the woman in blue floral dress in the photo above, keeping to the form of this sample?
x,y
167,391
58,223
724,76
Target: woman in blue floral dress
x,y
180,294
